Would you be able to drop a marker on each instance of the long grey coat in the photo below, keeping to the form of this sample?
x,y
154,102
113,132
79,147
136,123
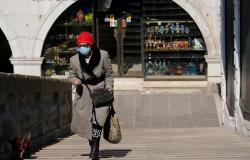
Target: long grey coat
x,y
82,105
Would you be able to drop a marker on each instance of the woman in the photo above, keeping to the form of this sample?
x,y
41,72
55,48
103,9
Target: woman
x,y
90,66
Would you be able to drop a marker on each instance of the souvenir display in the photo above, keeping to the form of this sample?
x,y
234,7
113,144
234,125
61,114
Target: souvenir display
x,y
60,43
166,44
173,45
178,44
164,28
80,16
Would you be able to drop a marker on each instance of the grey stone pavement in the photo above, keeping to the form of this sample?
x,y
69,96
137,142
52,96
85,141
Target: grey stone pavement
x,y
168,109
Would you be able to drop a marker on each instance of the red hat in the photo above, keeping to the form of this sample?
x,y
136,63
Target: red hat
x,y
85,37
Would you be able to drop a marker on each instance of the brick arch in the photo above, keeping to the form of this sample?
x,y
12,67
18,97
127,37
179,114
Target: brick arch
x,y
201,22
47,23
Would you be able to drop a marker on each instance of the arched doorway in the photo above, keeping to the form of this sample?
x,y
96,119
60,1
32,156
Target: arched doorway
x,y
60,42
161,42
133,59
5,54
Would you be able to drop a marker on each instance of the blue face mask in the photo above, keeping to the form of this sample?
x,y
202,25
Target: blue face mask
x,y
84,50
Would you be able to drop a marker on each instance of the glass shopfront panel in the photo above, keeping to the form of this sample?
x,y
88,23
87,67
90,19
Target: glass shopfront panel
x,y
174,48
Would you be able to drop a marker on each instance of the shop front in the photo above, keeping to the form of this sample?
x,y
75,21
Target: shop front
x,y
150,39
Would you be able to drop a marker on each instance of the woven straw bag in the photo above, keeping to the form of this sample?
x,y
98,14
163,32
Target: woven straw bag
x,y
112,130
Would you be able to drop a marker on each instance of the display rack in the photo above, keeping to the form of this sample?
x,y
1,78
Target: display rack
x,y
174,48
60,43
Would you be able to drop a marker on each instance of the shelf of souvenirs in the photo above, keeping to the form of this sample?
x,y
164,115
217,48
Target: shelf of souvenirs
x,y
174,56
168,67
170,28
61,73
156,21
188,70
61,50
169,35
63,37
57,62
195,44
176,50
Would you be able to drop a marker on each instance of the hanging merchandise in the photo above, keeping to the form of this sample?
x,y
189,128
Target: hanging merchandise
x,y
124,23
129,18
88,15
106,19
124,19
80,16
112,21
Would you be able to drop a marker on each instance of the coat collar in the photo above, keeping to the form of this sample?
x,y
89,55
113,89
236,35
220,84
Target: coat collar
x,y
94,61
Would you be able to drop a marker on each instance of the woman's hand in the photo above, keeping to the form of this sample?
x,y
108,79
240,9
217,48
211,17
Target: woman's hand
x,y
110,90
77,82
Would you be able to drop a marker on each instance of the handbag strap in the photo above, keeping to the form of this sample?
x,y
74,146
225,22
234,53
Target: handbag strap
x,y
84,80
111,109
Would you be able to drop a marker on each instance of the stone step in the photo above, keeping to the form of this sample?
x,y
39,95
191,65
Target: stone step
x,y
156,143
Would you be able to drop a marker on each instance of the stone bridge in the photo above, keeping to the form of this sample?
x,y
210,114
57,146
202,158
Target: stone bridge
x,y
156,123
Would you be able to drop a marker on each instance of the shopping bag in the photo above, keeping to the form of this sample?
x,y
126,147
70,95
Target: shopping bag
x,y
112,129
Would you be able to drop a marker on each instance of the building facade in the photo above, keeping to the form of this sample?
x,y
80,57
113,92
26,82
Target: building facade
x,y
235,79
28,31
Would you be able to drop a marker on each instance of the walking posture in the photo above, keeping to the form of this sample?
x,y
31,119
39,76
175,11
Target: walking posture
x,y
90,66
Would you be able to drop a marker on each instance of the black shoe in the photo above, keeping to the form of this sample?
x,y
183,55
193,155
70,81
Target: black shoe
x,y
90,144
95,148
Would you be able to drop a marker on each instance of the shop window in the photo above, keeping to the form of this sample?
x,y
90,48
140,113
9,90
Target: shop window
x,y
174,48
60,43
5,54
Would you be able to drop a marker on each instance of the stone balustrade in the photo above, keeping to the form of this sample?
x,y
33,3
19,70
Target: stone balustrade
x,y
38,105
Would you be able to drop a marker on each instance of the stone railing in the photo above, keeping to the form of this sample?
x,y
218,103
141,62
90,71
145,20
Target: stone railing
x,y
32,104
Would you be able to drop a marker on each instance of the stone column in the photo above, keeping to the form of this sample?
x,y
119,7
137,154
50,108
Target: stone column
x,y
28,66
213,68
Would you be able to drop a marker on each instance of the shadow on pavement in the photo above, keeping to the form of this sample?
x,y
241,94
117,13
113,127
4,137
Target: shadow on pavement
x,y
112,153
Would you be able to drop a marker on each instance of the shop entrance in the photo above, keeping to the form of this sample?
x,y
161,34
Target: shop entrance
x,y
5,54
160,41
60,43
122,41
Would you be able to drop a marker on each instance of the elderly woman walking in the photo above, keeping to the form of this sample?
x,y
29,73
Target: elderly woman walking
x,y
92,67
